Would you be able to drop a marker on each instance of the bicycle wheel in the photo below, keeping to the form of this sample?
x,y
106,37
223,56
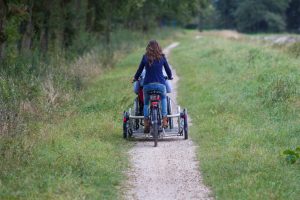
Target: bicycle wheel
x,y
154,121
169,109
125,125
136,113
185,124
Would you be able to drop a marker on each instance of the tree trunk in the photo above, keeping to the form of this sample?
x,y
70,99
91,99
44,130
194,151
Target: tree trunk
x,y
90,16
108,24
3,13
44,40
145,25
44,35
107,31
26,41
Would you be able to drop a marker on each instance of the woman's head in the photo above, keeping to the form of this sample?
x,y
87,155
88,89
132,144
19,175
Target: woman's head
x,y
153,51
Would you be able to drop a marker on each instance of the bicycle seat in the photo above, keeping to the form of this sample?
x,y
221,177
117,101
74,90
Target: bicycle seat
x,y
154,92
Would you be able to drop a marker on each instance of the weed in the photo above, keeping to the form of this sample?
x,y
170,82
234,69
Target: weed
x,y
292,155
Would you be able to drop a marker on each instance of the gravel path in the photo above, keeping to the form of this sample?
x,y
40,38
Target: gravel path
x,y
169,171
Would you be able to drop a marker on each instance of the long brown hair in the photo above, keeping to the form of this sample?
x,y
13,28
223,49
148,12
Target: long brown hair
x,y
153,51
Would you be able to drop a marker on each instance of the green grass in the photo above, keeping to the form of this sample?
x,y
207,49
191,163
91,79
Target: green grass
x,y
244,100
80,156
80,153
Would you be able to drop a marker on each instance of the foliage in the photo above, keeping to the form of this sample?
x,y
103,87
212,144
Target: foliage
x,y
266,15
292,155
292,14
208,18
258,15
226,9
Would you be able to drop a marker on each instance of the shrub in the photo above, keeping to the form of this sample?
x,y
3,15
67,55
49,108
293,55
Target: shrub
x,y
292,155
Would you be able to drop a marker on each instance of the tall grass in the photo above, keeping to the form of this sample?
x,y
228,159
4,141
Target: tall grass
x,y
77,155
244,101
294,49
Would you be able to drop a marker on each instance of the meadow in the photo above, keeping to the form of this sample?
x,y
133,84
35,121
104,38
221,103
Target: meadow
x,y
243,97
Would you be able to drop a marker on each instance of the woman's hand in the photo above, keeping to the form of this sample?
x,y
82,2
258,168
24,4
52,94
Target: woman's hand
x,y
133,80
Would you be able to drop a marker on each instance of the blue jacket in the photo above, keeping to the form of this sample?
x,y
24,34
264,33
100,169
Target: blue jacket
x,y
154,72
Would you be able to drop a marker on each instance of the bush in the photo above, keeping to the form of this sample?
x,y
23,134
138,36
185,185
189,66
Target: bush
x,y
292,155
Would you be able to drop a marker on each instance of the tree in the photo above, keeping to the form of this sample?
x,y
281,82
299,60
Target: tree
x,y
207,18
264,15
226,10
254,15
27,29
293,15
3,13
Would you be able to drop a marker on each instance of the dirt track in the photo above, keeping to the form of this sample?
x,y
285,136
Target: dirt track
x,y
169,171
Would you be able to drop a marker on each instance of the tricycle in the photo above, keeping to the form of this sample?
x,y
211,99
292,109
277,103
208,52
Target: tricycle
x,y
133,119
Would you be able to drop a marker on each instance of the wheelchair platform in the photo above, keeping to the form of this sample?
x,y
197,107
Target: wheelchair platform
x,y
133,124
164,134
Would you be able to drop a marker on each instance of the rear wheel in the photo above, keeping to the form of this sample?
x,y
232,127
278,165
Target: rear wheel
x,y
136,113
125,125
185,124
154,121
169,109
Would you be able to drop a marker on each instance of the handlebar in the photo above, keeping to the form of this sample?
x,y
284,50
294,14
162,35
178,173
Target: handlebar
x,y
167,78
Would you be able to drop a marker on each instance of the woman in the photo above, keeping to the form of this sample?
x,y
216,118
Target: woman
x,y
139,84
153,62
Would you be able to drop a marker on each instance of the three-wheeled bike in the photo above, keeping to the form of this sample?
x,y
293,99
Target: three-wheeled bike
x,y
133,119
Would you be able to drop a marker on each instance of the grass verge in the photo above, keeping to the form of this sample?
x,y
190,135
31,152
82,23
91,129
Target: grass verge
x,y
81,155
244,100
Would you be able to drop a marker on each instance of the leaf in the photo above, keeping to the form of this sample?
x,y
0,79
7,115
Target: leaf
x,y
292,156
291,159
289,152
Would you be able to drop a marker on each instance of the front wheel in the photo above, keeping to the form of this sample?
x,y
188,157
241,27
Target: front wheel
x,y
185,124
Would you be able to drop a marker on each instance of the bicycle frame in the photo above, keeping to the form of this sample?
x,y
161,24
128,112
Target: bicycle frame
x,y
155,116
155,104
